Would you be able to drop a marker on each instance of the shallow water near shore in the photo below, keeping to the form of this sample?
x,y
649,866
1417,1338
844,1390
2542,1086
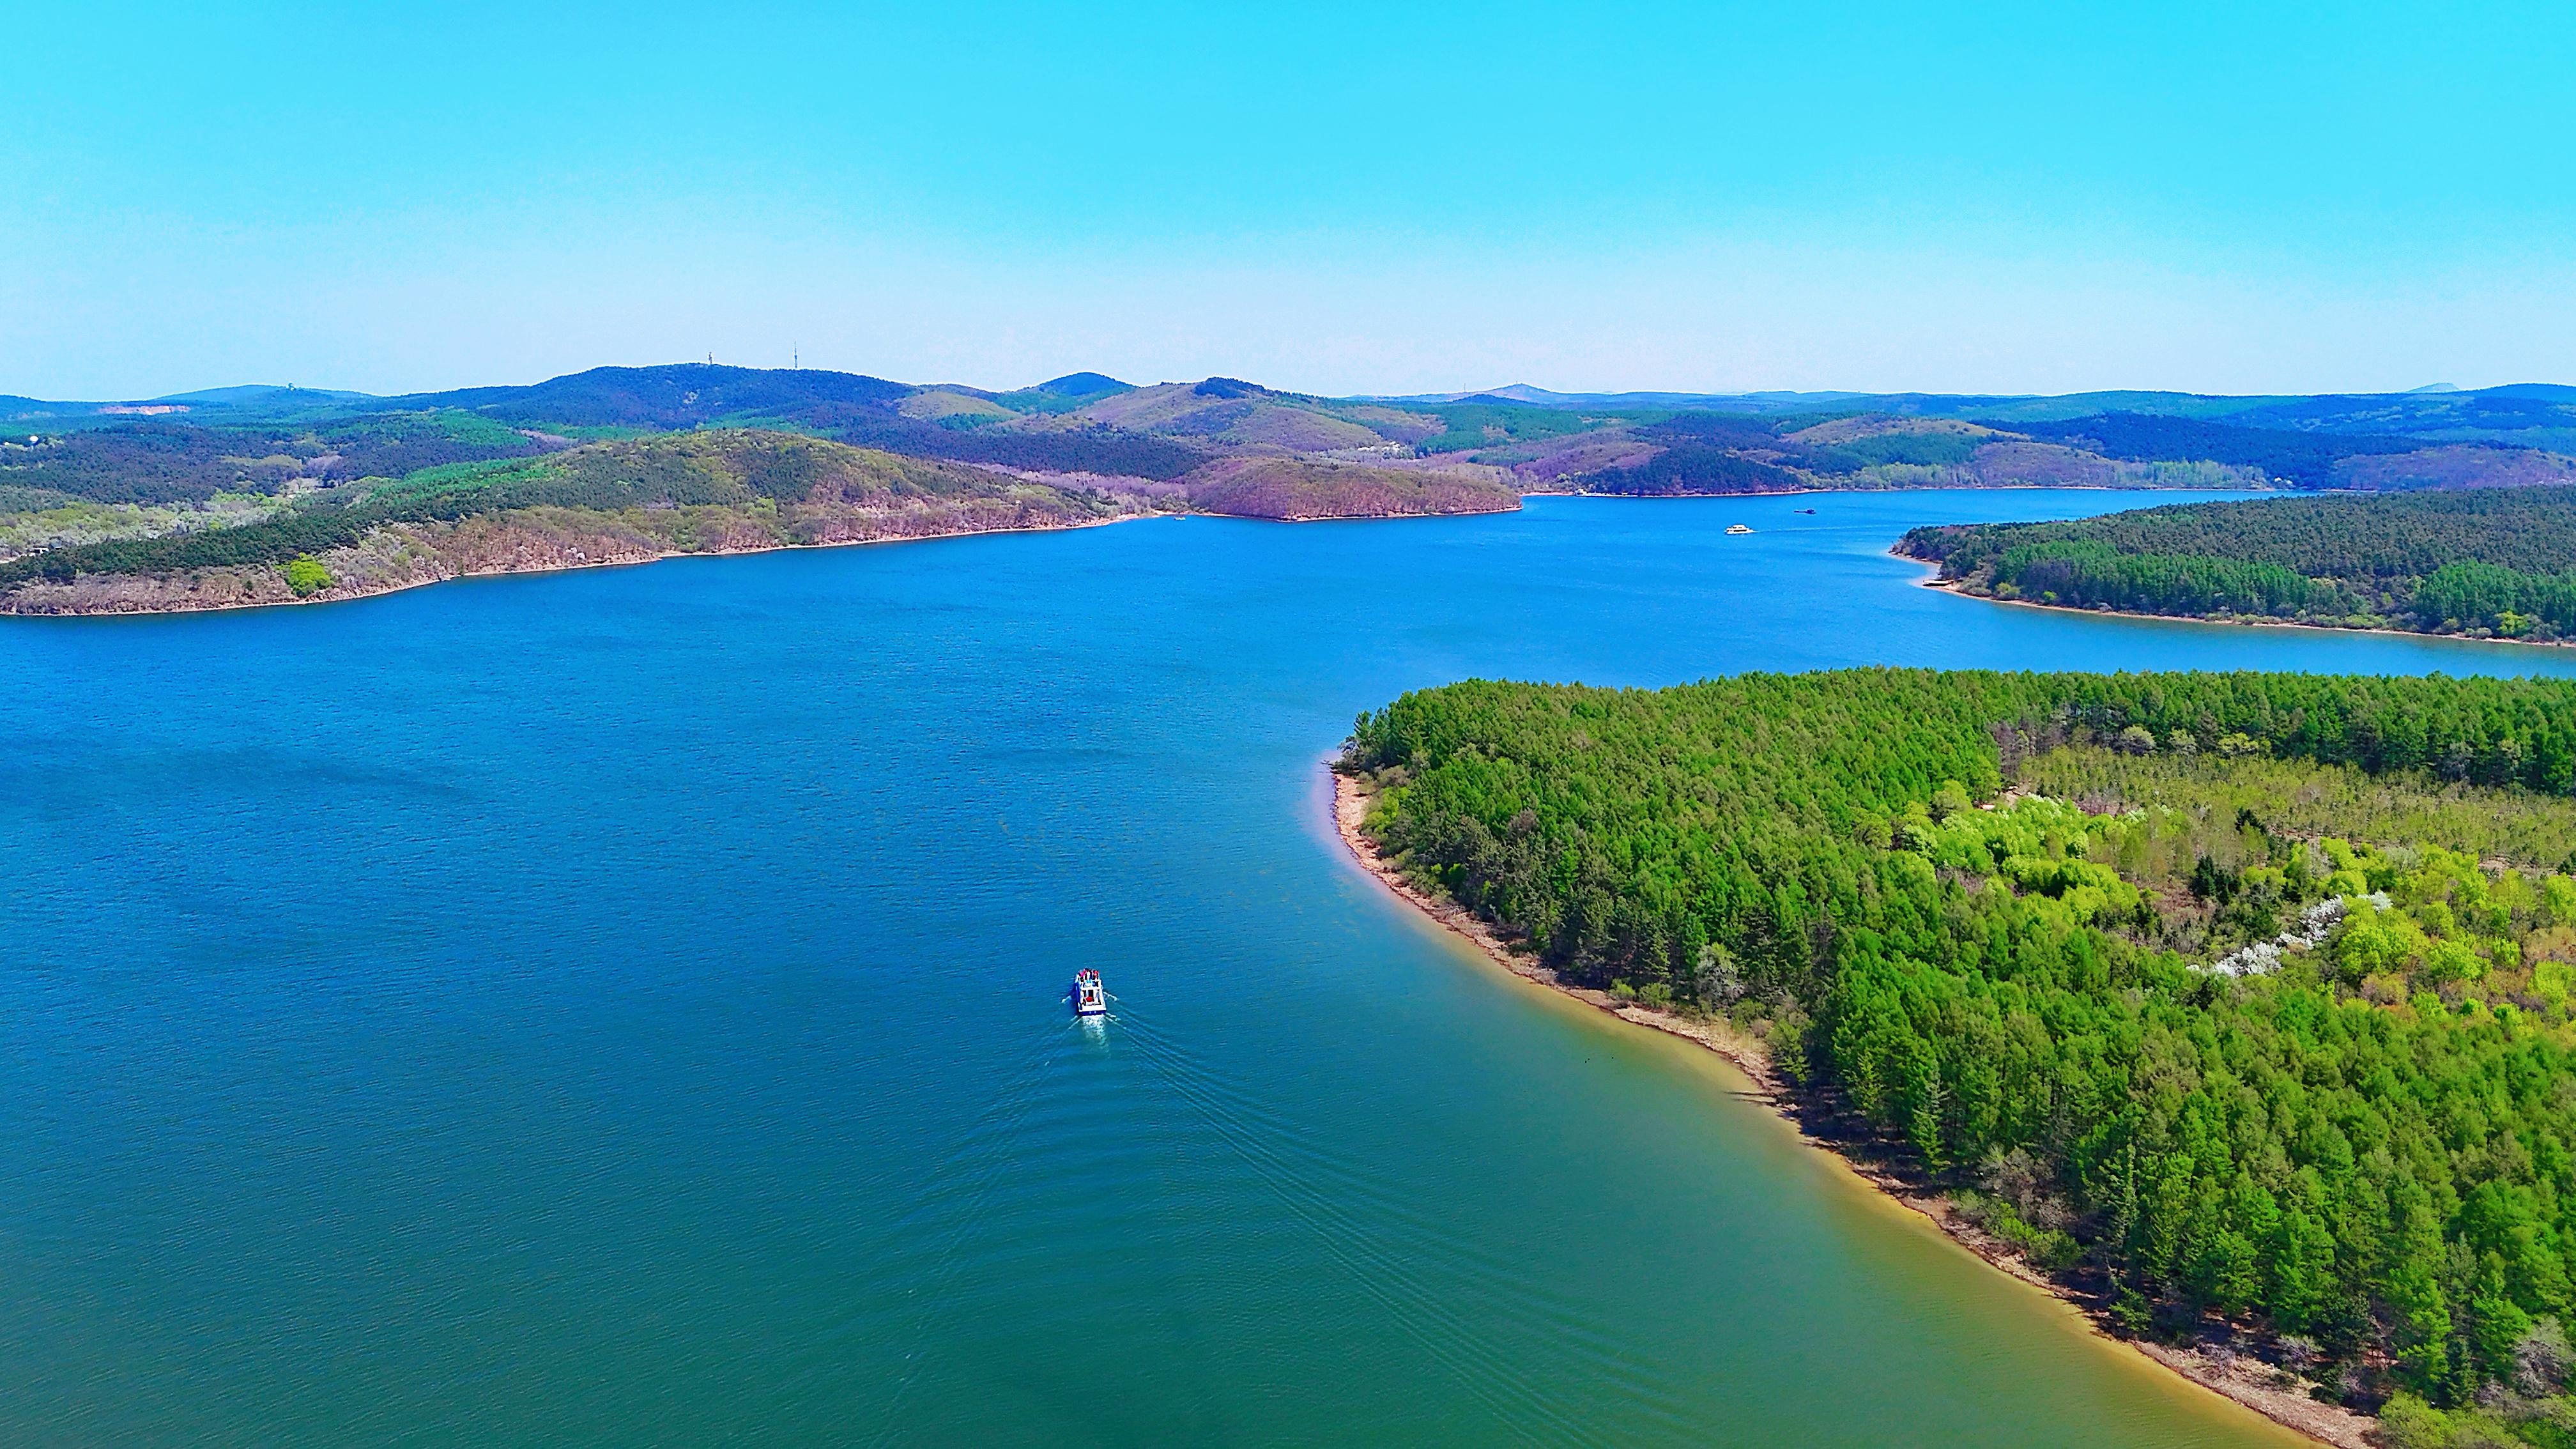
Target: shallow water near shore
x,y
627,1006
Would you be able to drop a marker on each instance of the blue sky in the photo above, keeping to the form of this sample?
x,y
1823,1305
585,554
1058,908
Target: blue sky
x,y
1330,198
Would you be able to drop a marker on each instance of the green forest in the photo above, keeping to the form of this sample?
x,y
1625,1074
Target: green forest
x,y
2303,458
164,462
2231,994
678,470
2487,563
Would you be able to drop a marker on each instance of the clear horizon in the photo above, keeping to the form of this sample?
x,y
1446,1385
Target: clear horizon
x,y
2012,199
186,393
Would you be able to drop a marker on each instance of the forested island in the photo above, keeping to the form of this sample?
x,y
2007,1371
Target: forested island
x,y
2242,1005
2485,563
267,495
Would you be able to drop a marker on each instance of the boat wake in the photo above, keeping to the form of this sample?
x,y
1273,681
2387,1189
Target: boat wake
x,y
1059,1151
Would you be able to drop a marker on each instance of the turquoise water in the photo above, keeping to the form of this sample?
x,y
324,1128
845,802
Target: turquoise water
x,y
625,1007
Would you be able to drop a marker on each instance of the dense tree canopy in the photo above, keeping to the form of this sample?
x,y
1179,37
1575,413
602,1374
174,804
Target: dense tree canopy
x,y
160,461
1071,450
2303,458
2244,1065
2483,561
663,471
1694,468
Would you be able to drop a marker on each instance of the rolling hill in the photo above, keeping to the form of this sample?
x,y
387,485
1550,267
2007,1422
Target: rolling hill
x,y
78,476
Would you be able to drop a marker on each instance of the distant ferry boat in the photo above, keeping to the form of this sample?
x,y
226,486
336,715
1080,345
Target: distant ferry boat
x,y
1088,997
1737,528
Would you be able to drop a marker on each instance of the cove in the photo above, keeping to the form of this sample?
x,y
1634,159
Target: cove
x,y
626,1006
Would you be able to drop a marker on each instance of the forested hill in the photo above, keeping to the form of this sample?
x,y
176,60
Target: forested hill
x,y
159,515
2487,562
1090,423
614,501
77,476
2248,995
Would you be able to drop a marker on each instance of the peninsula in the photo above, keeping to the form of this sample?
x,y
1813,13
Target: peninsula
x,y
2489,563
2231,1006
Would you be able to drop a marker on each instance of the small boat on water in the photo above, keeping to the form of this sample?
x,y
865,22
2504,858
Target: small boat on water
x,y
1737,528
1089,997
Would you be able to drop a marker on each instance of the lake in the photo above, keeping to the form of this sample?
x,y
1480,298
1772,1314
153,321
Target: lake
x,y
627,1006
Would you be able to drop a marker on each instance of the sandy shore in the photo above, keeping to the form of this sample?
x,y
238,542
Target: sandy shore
x,y
1350,807
2241,1377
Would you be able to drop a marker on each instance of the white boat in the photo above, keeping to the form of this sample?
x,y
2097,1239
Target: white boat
x,y
1737,528
1089,997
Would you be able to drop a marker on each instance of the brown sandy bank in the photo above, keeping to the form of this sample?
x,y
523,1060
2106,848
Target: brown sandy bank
x,y
2259,1386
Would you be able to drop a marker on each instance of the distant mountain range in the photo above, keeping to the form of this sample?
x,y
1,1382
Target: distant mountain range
x,y
264,493
1091,422
1088,425
768,387
2430,405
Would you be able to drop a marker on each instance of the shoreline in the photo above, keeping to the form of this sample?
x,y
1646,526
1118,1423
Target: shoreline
x,y
1350,807
1950,586
1937,488
640,561
330,597
2231,1378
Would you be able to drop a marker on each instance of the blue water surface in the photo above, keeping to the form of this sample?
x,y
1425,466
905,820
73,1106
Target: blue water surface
x,y
626,1007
